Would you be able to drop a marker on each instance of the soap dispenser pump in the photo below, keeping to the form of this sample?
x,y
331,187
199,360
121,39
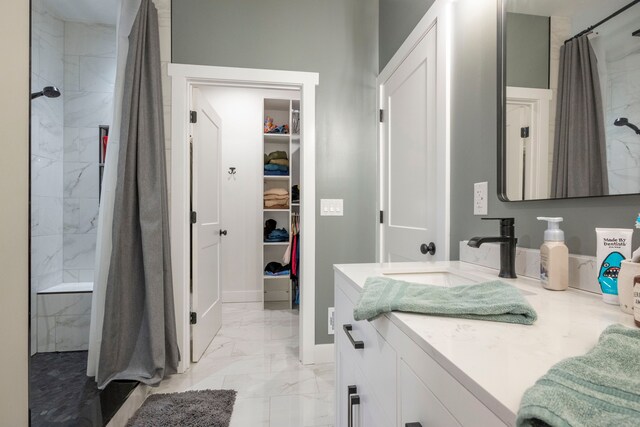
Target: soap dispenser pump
x,y
554,257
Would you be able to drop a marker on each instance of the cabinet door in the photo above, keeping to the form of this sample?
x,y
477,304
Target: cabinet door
x,y
419,404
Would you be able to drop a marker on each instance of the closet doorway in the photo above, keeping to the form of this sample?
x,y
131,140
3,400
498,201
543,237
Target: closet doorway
x,y
267,194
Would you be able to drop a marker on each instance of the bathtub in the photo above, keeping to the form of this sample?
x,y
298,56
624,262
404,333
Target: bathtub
x,y
63,317
68,288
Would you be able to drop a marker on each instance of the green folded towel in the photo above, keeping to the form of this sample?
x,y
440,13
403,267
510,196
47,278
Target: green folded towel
x,y
495,301
601,388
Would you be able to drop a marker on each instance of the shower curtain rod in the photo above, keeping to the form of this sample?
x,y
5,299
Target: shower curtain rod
x,y
593,27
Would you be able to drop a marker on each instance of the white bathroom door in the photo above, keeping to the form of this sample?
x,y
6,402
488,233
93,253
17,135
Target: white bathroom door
x,y
518,116
413,174
206,233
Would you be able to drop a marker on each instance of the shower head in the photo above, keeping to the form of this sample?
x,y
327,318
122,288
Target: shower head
x,y
48,91
623,121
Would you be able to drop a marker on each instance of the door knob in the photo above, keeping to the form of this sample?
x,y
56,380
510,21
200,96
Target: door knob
x,y
223,232
428,249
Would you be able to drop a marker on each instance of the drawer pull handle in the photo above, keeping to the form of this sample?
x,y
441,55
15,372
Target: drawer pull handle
x,y
413,425
354,400
352,389
347,330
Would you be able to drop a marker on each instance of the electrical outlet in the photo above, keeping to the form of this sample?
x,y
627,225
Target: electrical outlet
x,y
330,320
480,192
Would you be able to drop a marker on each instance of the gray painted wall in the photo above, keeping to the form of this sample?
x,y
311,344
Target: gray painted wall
x,y
527,50
397,19
338,39
474,145
473,150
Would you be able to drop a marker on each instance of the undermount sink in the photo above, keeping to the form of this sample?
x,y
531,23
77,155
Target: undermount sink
x,y
439,277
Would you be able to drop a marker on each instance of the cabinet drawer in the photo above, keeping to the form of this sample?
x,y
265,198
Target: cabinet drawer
x,y
418,404
367,412
377,359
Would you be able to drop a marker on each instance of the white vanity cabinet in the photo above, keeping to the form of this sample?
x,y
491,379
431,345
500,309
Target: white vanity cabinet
x,y
385,379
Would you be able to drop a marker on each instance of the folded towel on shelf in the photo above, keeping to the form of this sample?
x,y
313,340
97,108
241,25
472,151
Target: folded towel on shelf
x,y
272,167
276,204
276,173
276,191
277,235
273,268
279,273
600,388
274,197
275,155
281,162
495,301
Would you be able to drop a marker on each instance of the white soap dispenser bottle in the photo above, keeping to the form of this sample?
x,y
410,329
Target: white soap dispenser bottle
x,y
554,257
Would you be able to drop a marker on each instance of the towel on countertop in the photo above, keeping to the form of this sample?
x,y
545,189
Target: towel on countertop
x,y
495,301
600,388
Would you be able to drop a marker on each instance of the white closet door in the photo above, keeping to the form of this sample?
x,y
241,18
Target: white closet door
x,y
206,231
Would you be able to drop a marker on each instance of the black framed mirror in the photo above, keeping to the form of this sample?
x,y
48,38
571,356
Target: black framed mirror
x,y
568,98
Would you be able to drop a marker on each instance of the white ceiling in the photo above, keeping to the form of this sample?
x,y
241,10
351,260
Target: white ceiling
x,y
89,11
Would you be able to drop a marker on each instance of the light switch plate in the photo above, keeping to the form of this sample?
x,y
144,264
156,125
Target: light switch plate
x,y
480,193
331,207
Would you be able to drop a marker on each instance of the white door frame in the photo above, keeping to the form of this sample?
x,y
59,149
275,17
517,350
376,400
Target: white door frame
x,y
439,13
183,78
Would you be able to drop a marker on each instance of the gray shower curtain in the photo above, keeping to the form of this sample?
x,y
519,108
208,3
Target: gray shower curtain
x,y
139,332
579,154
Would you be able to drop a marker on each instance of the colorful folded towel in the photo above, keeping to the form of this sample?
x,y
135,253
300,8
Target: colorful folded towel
x,y
495,301
598,389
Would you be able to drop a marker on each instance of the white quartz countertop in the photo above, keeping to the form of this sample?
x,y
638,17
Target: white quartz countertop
x,y
495,361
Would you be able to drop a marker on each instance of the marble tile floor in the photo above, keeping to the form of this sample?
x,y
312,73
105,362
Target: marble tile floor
x,y
256,353
61,394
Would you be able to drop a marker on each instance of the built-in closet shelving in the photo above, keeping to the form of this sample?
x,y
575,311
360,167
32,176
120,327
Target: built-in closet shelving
x,y
279,291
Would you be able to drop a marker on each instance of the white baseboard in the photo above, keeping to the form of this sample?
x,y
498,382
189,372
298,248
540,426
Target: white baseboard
x,y
323,353
242,296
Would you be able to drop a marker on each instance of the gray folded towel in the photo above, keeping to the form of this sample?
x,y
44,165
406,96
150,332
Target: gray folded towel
x,y
598,389
495,301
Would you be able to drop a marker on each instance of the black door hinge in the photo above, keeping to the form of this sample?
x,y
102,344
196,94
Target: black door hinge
x,y
194,217
524,132
193,116
193,318
381,217
381,115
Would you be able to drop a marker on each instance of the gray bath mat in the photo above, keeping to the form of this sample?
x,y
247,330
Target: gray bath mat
x,y
205,408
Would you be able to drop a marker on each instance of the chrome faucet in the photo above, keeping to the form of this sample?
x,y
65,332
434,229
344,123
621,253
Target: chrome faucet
x,y
507,242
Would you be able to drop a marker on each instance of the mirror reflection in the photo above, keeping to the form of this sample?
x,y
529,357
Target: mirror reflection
x,y
572,107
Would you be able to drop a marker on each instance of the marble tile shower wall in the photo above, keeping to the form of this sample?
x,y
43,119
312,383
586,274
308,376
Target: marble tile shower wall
x,y
89,78
622,99
47,122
